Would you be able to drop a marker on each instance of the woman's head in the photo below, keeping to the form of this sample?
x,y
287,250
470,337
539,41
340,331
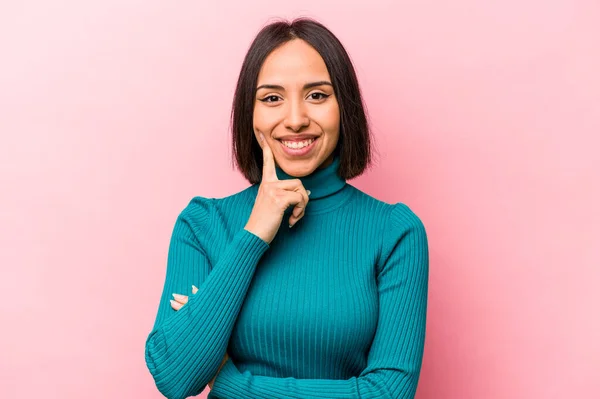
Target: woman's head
x,y
297,81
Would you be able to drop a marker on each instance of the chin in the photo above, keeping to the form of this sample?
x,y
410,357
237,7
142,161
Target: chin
x,y
298,167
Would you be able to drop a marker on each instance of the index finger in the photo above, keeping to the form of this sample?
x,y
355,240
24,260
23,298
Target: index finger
x,y
269,173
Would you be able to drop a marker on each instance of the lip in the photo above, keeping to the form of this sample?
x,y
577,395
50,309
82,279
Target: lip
x,y
298,137
298,152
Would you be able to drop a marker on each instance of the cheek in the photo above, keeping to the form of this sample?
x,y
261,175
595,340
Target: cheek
x,y
264,120
328,117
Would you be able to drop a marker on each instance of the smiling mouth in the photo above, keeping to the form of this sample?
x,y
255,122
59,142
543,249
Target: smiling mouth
x,y
293,144
298,151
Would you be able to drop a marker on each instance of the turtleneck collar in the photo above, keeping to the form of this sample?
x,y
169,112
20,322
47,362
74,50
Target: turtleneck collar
x,y
321,182
327,189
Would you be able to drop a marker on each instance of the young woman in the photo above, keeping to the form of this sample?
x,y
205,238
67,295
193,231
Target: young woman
x,y
333,306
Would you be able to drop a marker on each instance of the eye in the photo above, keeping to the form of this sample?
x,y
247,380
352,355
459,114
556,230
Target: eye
x,y
323,96
268,98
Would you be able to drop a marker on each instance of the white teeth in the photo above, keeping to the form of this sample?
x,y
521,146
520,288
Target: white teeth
x,y
297,144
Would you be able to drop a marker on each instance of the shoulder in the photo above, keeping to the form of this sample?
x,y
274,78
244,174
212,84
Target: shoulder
x,y
396,215
404,238
397,222
198,208
191,222
203,213
406,228
402,217
364,202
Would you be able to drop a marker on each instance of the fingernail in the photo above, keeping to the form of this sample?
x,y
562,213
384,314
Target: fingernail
x,y
308,192
194,287
178,297
262,138
290,226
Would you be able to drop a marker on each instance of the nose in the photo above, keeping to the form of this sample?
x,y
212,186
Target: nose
x,y
296,117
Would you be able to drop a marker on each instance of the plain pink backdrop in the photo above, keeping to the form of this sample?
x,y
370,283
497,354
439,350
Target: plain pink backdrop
x,y
486,115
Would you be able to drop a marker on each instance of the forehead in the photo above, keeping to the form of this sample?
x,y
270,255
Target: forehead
x,y
293,62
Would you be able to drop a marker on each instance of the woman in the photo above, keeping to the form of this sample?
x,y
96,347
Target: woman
x,y
333,306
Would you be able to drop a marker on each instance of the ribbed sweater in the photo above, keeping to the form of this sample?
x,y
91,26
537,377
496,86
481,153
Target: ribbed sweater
x,y
334,307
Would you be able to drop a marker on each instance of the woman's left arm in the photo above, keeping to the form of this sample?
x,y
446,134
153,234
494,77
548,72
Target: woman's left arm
x,y
395,358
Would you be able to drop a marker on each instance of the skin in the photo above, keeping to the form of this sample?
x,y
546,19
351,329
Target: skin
x,y
291,109
294,109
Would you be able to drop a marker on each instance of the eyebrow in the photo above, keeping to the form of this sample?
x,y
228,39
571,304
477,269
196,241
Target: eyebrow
x,y
306,86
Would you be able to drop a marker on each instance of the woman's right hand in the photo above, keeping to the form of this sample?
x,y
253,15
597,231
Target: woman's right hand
x,y
273,198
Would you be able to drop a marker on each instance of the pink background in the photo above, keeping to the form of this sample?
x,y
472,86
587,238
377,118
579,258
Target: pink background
x,y
113,114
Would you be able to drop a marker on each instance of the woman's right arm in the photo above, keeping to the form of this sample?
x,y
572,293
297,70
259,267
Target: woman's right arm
x,y
185,348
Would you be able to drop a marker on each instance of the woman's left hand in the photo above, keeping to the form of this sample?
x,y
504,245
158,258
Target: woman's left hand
x,y
181,300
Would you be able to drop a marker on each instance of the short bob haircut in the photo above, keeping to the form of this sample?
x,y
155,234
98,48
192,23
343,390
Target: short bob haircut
x,y
354,143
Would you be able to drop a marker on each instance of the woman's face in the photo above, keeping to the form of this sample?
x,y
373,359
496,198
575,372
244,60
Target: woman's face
x,y
295,98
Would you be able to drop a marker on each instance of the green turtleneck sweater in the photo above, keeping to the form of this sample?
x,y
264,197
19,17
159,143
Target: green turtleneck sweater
x,y
334,307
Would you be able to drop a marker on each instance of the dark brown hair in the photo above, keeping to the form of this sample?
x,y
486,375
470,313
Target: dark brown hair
x,y
354,144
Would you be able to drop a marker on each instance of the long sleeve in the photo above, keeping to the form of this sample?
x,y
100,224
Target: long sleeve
x,y
395,356
185,347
